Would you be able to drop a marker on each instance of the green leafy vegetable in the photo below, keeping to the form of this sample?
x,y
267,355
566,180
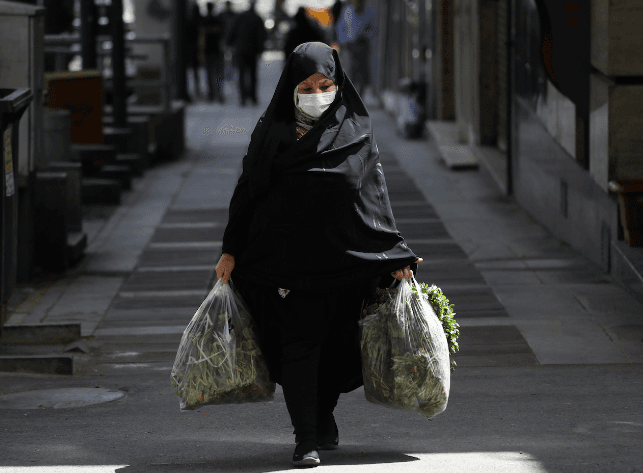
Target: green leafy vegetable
x,y
439,304
222,368
396,374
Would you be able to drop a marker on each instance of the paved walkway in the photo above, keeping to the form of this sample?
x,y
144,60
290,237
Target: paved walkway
x,y
549,375
521,296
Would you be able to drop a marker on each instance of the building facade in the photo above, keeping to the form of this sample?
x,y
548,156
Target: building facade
x,y
550,96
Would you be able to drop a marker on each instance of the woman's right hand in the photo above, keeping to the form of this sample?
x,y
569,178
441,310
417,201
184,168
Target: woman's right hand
x,y
224,267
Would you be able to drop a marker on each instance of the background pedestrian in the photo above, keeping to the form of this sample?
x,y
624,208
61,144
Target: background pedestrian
x,y
228,17
214,31
193,26
303,31
355,29
336,11
247,37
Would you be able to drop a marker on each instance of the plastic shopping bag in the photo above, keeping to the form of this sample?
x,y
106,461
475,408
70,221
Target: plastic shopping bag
x,y
405,354
219,360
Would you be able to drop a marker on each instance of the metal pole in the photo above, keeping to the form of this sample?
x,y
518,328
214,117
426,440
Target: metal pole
x,y
88,33
119,89
510,97
168,73
179,25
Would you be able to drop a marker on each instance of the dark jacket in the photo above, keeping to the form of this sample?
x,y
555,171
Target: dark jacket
x,y
227,18
304,31
192,27
214,32
248,34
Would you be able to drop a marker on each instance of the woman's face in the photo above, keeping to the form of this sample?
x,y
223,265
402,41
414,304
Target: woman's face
x,y
316,84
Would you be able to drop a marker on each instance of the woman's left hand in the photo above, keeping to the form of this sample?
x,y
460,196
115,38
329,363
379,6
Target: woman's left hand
x,y
405,273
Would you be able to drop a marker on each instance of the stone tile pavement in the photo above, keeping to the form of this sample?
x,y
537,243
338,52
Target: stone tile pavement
x,y
499,267
563,305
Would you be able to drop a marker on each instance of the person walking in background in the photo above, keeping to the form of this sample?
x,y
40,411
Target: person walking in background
x,y
355,29
303,31
193,27
214,31
283,23
228,17
247,37
336,11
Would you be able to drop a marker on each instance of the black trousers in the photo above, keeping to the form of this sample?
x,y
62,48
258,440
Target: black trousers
x,y
214,64
247,64
311,343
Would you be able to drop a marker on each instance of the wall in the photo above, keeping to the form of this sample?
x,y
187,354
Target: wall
x,y
549,181
21,66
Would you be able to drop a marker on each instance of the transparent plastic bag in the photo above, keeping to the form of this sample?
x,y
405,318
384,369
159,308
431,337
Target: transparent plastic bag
x,y
405,354
219,360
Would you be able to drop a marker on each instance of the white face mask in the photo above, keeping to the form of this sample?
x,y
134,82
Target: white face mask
x,y
314,105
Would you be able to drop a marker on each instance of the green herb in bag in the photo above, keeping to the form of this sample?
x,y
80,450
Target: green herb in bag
x,y
405,359
439,304
219,360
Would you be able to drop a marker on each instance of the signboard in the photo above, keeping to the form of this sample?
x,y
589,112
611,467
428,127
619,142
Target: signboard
x,y
81,92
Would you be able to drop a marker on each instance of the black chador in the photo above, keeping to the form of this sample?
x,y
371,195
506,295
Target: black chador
x,y
312,216
313,213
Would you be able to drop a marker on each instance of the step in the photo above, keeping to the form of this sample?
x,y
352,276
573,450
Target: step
x,y
133,110
43,364
120,172
108,119
140,138
94,157
137,162
40,334
458,156
101,191
117,137
105,152
76,244
445,136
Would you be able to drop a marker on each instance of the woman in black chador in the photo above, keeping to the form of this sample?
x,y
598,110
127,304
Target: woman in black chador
x,y
310,236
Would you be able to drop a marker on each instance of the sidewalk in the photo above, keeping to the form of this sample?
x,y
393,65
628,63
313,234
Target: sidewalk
x,y
548,377
496,265
567,309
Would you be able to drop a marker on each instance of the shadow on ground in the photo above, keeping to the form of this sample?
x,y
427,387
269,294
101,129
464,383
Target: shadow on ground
x,y
255,457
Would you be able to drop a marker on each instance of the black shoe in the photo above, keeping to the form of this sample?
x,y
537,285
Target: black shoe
x,y
306,454
328,439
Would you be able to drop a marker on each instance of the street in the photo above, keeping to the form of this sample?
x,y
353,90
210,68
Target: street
x,y
549,376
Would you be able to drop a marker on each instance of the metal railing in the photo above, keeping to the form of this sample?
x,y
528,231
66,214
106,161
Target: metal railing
x,y
69,45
